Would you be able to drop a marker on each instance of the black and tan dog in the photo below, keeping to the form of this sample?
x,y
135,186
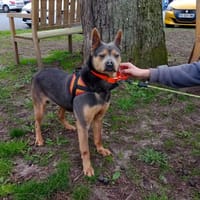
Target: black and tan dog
x,y
86,93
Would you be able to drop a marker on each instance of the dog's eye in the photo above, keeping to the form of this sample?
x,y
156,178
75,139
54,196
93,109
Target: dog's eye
x,y
116,55
102,55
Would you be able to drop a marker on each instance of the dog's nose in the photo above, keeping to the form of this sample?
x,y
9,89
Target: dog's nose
x,y
109,65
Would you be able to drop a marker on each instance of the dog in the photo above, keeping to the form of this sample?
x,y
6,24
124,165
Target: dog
x,y
86,93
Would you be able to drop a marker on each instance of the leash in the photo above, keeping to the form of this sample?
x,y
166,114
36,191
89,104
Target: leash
x,y
145,84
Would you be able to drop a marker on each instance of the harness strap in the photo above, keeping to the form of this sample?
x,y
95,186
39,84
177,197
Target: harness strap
x,y
77,86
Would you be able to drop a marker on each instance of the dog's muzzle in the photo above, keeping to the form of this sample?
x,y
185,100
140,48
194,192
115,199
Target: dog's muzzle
x,y
109,66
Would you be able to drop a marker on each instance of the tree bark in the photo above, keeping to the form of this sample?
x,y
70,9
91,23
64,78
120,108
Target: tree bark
x,y
141,23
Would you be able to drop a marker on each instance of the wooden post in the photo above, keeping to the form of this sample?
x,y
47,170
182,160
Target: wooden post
x,y
195,54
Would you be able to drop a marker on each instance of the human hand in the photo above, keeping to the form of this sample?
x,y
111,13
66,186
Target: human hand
x,y
131,70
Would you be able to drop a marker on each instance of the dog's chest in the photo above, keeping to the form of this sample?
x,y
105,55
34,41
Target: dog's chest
x,y
95,111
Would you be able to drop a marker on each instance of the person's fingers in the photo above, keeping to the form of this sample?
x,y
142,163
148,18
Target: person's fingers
x,y
126,71
126,65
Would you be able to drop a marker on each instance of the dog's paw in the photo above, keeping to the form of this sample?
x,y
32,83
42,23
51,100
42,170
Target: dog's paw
x,y
39,142
72,128
89,171
103,151
69,127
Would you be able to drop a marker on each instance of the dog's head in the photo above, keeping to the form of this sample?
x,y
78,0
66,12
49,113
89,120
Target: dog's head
x,y
106,57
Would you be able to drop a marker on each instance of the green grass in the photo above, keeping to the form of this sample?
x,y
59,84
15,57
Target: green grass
x,y
7,152
16,133
190,107
40,159
196,195
156,197
58,181
126,100
60,140
133,95
67,60
153,157
195,145
10,149
6,189
5,93
184,134
4,33
28,103
119,121
116,175
5,168
169,144
7,72
125,103
133,174
81,192
14,79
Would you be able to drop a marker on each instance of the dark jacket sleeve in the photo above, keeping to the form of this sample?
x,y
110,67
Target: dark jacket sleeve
x,y
185,75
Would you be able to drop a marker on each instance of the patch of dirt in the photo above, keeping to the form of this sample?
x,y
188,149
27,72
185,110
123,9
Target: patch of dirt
x,y
24,171
155,126
179,43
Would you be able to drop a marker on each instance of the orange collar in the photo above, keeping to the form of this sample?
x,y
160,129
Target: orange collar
x,y
111,80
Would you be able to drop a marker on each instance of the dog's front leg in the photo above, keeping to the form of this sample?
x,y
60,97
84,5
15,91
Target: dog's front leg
x,y
84,149
97,130
84,115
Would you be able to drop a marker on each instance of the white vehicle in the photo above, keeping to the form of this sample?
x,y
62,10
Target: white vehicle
x,y
27,10
7,5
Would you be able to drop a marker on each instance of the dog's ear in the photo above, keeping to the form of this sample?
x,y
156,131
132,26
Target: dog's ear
x,y
118,38
96,39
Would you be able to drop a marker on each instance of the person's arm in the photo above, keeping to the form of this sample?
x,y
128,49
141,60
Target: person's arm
x,y
185,75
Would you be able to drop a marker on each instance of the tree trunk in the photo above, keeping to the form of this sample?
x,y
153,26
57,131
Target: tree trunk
x,y
141,23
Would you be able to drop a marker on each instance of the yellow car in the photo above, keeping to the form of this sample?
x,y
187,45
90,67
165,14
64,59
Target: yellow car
x,y
180,12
